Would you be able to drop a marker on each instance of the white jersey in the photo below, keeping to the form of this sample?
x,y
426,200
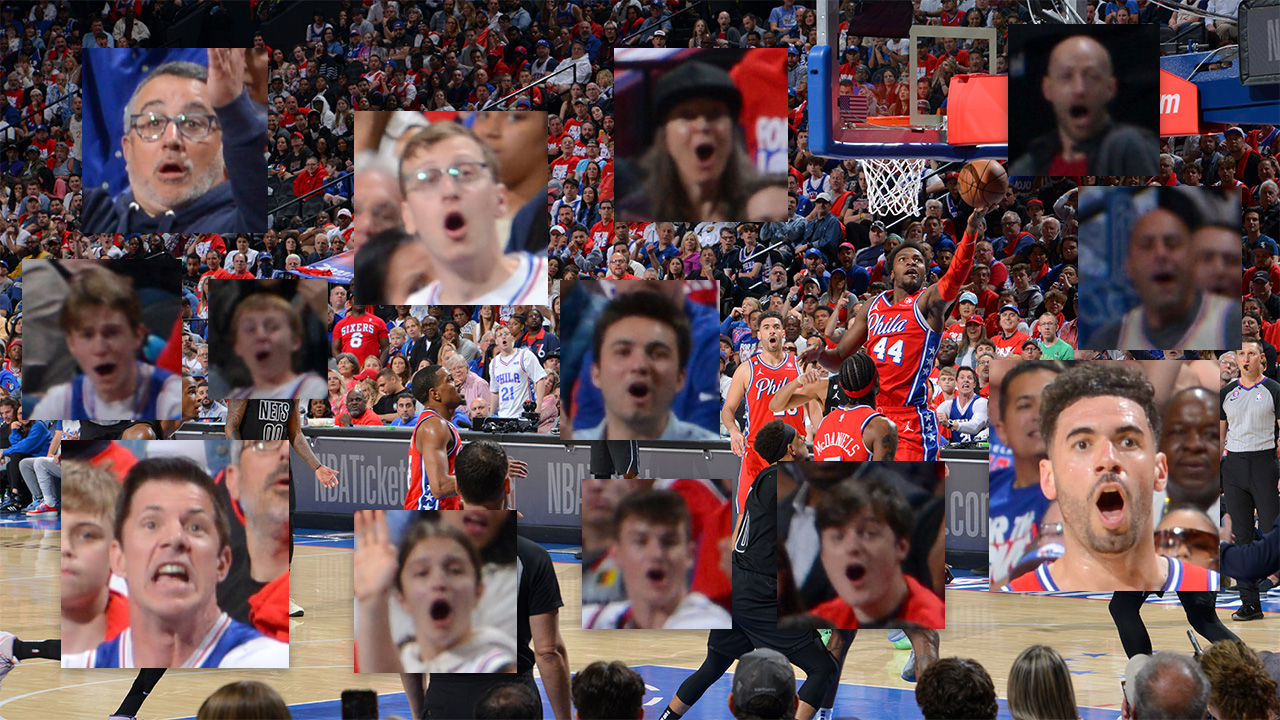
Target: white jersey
x,y
228,644
59,403
513,379
526,286
695,612
307,386
487,651
1210,330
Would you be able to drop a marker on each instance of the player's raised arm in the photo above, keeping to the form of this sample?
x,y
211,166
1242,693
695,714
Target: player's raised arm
x,y
737,391
812,385
937,297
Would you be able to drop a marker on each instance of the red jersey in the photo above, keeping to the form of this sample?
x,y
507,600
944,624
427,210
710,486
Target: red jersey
x,y
763,382
902,345
419,496
955,331
602,235
922,607
1011,345
1182,576
839,435
360,335
563,168
117,614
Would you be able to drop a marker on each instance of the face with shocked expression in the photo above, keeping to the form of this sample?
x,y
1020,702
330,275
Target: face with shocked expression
x,y
655,561
639,374
438,583
699,136
455,219
106,349
858,557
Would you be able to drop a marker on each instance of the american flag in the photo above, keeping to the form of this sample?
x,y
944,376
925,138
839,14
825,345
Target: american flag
x,y
853,109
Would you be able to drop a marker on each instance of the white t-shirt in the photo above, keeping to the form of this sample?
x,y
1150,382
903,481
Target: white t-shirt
x,y
301,387
513,379
258,652
695,612
487,651
526,286
56,404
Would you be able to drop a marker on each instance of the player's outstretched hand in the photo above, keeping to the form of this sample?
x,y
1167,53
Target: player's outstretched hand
x,y
517,468
375,556
977,216
326,476
811,376
810,356
226,75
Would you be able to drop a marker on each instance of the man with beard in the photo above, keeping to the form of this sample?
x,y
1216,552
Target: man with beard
x,y
1174,313
1247,425
181,122
901,329
1101,430
757,381
1188,440
209,409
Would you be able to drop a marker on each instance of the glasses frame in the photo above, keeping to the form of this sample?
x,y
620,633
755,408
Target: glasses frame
x,y
177,120
416,181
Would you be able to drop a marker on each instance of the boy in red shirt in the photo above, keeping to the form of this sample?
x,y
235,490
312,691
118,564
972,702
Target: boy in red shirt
x,y
866,526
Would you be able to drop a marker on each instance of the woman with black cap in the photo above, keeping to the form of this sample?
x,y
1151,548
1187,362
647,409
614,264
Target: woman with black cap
x,y
697,168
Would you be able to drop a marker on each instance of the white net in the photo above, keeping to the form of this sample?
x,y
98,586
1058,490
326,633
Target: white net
x,y
893,185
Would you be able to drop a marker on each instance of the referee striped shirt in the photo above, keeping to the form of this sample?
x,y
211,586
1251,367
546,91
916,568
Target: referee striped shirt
x,y
1251,412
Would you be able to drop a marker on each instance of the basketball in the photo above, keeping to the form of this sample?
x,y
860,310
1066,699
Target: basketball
x,y
983,182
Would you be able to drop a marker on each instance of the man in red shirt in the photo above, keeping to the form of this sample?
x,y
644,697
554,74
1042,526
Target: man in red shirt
x,y
602,232
358,411
240,264
362,334
312,177
1009,340
619,269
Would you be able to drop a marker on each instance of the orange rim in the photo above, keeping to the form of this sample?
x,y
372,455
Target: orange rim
x,y
894,120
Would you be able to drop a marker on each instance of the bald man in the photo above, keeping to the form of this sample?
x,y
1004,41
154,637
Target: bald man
x,y
1080,85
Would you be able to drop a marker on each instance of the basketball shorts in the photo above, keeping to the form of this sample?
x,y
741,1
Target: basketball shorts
x,y
917,432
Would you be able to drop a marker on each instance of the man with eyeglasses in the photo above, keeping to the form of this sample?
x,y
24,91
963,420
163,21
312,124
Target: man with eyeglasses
x,y
180,125
452,200
251,420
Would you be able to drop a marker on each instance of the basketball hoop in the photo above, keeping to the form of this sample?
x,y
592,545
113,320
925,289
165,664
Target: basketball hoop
x,y
893,185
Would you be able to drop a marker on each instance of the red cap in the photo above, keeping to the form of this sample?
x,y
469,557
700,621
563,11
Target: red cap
x,y
366,374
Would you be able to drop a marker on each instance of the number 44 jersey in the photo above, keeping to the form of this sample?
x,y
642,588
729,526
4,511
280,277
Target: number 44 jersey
x,y
903,346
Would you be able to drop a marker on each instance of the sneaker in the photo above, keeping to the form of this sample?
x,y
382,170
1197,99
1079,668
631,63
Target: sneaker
x,y
44,509
899,639
295,610
1265,584
7,660
824,714
1247,612
909,672
12,507
34,504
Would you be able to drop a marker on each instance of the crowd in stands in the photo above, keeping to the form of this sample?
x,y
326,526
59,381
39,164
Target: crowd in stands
x,y
370,381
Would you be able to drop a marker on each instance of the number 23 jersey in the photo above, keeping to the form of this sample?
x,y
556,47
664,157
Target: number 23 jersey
x,y
902,345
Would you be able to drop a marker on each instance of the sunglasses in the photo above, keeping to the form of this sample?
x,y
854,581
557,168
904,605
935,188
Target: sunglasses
x,y
1197,540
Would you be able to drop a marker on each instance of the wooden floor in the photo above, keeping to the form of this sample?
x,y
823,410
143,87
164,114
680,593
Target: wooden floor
x,y
991,628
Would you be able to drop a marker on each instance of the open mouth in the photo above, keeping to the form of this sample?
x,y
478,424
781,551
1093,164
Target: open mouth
x,y
639,391
704,151
104,369
441,610
1164,278
1111,507
455,225
262,355
172,572
656,575
1079,111
855,572
171,170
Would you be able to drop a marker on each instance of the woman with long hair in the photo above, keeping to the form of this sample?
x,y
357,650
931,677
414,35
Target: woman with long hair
x,y
886,91
488,321
690,254
588,213
592,176
697,168
674,269
399,365
701,35
1040,686
974,333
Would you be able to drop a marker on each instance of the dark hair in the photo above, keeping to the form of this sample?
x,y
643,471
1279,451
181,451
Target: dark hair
x,y
773,439
660,507
372,262
963,368
509,701
481,470
608,691
850,497
856,373
1097,379
772,314
422,530
652,305
173,469
424,381
956,688
905,244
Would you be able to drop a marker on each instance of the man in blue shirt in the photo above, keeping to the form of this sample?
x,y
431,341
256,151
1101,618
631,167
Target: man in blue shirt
x,y
823,232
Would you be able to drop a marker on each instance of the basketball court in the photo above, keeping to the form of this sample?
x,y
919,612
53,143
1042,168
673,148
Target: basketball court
x,y
991,628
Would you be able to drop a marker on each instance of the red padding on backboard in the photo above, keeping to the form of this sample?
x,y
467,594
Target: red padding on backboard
x,y
978,109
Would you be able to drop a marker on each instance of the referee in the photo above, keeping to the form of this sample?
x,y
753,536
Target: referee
x,y
1250,471
755,591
